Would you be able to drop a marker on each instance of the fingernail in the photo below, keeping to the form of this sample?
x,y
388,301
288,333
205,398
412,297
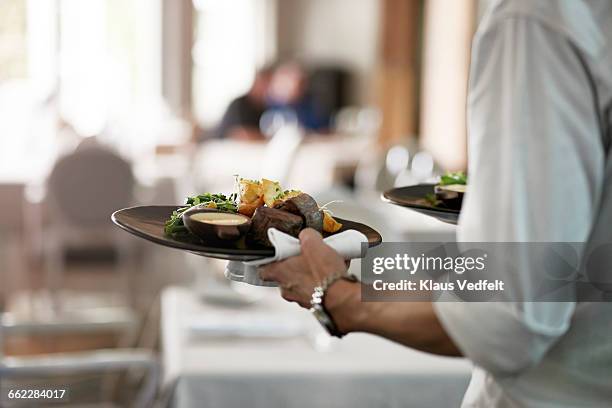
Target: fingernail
x,y
308,233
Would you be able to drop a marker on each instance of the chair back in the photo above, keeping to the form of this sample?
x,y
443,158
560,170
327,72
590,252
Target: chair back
x,y
88,185
12,233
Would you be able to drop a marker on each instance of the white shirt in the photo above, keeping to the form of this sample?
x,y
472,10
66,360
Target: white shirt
x,y
540,169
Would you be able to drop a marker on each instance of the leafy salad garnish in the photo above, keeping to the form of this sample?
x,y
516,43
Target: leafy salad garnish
x,y
432,200
449,178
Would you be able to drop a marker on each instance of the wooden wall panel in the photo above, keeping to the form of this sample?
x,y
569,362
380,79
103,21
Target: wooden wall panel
x,y
397,72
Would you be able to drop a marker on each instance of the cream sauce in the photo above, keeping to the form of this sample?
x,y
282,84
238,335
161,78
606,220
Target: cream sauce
x,y
219,218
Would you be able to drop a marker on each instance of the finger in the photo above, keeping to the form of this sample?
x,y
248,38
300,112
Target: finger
x,y
277,271
288,295
269,273
312,243
310,233
317,253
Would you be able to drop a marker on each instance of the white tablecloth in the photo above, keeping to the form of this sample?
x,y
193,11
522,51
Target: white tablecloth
x,y
358,371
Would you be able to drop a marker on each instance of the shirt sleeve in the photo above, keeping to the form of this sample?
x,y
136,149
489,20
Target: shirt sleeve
x,y
536,169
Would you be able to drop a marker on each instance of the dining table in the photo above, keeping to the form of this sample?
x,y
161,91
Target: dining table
x,y
264,352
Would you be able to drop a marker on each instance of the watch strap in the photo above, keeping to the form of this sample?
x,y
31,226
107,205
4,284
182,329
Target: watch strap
x,y
317,302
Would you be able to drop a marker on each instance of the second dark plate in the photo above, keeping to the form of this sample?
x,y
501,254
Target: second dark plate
x,y
413,197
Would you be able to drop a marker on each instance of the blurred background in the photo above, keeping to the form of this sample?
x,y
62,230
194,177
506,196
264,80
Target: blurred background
x,y
106,104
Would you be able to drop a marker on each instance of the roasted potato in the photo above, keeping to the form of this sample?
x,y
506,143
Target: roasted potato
x,y
287,194
248,209
330,224
250,191
272,192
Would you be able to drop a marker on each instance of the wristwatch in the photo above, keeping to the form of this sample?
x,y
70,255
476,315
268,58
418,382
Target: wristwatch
x,y
317,303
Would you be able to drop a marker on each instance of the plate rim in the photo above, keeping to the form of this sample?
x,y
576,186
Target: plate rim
x,y
168,243
233,254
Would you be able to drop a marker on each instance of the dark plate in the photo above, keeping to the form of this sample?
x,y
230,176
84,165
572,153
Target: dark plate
x,y
148,222
413,197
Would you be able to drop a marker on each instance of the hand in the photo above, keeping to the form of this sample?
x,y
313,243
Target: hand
x,y
413,324
298,276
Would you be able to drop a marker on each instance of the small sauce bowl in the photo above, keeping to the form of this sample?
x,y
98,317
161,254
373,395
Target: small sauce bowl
x,y
214,225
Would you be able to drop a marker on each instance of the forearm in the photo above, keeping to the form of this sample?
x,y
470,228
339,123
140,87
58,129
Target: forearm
x,y
413,324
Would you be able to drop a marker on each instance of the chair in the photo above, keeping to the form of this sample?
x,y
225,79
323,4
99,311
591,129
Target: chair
x,y
84,188
12,254
77,363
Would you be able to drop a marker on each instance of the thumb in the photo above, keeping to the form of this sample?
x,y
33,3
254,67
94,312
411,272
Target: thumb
x,y
317,253
311,241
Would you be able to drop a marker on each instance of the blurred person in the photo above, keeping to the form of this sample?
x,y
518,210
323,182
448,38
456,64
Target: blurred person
x,y
241,119
540,167
288,96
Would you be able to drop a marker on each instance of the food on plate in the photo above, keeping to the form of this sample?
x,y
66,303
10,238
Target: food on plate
x,y
306,207
266,204
213,225
287,194
249,209
219,218
250,191
448,193
251,196
174,225
271,191
329,223
456,178
266,217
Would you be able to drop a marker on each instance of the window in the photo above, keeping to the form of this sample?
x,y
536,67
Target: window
x,y
12,40
94,64
231,40
109,61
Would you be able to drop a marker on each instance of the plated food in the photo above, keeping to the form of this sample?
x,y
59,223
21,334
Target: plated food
x,y
257,206
448,193
441,201
149,222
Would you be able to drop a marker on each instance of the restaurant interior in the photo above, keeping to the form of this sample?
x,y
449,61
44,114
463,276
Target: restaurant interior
x,y
108,104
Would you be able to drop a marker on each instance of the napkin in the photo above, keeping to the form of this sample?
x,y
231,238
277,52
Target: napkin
x,y
347,244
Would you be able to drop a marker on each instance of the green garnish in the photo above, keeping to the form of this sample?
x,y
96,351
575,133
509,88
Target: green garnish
x,y
449,178
283,194
175,226
250,180
432,200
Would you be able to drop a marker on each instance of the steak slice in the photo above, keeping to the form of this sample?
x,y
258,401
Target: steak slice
x,y
306,207
266,217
